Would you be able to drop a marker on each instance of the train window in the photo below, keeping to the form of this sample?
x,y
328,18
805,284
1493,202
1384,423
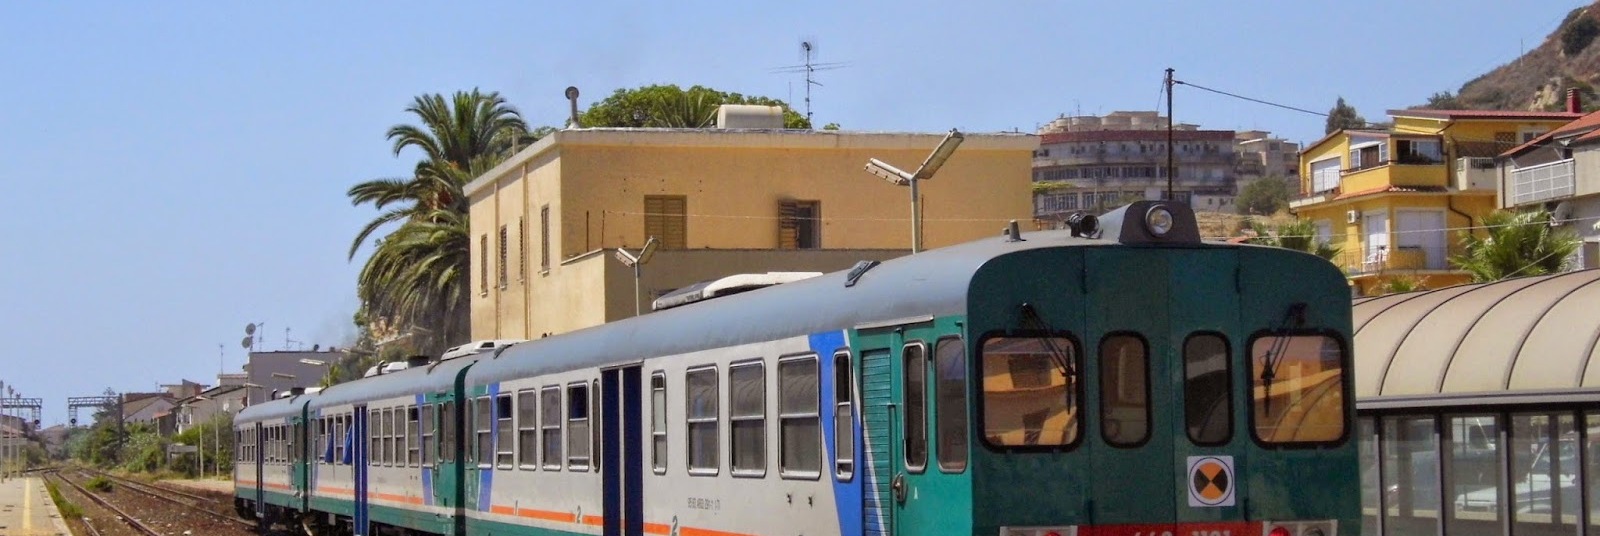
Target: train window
x,y
528,429
1207,389
578,427
505,442
700,408
658,422
594,424
297,431
747,418
915,391
550,427
375,435
447,437
950,404
429,425
799,418
1029,388
844,435
1299,397
1124,390
482,420
413,437
338,440
395,423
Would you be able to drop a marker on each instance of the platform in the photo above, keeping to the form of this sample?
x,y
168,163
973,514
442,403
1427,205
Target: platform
x,y
26,509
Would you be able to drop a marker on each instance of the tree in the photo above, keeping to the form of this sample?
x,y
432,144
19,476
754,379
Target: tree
x,y
669,106
1343,116
1519,244
1444,100
417,276
1264,197
1298,235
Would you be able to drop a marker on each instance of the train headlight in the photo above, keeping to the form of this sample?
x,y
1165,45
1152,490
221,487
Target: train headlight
x,y
1158,220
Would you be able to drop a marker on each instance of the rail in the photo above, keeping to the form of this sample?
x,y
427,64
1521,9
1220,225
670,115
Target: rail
x,y
157,492
130,520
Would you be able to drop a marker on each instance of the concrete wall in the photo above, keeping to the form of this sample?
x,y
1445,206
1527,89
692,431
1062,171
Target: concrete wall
x,y
267,371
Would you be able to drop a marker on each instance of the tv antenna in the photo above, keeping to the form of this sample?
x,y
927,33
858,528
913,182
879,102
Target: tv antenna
x,y
808,54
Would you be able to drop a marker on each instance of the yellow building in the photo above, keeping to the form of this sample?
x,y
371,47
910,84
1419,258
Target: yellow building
x,y
1389,198
546,223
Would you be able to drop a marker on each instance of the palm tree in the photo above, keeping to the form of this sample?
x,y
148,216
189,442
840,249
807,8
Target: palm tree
x,y
1298,235
1519,244
418,274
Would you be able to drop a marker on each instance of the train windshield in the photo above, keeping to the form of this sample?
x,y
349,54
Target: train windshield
x,y
1298,395
1028,385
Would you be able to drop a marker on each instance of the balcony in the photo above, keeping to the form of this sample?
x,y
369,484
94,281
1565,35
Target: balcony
x,y
1543,182
1476,173
1379,259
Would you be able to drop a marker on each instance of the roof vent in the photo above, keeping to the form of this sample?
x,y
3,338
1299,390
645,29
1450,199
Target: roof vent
x,y
726,286
749,116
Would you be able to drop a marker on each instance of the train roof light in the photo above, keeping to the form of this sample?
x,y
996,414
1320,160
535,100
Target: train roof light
x,y
1150,222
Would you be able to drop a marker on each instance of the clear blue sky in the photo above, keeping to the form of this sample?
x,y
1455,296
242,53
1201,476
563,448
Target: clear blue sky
x,y
177,170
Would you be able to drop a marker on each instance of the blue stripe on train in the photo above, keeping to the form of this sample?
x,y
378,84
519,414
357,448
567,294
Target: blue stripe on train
x,y
486,476
846,495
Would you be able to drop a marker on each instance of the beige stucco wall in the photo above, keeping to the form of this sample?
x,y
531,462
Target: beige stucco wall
x,y
595,182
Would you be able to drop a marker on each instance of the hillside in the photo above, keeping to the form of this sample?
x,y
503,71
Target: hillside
x,y
1568,58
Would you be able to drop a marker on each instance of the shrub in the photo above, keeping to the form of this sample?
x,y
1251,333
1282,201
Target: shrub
x,y
99,483
1577,35
67,509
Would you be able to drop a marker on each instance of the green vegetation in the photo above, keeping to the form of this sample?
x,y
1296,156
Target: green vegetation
x,y
1394,284
1264,197
1519,244
1577,34
67,509
1444,100
669,106
1298,235
1343,116
100,484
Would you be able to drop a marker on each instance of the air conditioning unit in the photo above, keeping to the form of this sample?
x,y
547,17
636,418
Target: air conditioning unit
x,y
1351,216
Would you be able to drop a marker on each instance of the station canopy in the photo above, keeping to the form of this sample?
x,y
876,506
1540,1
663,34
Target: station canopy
x,y
1529,340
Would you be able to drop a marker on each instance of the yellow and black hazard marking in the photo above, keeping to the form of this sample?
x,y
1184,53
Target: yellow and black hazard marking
x,y
1211,481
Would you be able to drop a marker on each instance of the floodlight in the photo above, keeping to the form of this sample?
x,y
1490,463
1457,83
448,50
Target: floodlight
x,y
940,155
315,362
888,172
649,250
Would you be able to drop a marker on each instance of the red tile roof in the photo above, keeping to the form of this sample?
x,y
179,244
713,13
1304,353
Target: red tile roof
x,y
1482,114
1587,123
1135,135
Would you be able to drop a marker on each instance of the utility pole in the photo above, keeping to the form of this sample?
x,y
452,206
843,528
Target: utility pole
x,y
1171,170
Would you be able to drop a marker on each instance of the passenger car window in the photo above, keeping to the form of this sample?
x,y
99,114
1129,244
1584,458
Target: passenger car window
x,y
1029,391
950,403
1299,391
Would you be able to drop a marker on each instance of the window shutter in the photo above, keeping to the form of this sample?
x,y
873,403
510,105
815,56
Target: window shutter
x,y
788,227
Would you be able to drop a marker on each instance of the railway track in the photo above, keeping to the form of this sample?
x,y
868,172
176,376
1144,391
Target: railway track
x,y
200,503
132,522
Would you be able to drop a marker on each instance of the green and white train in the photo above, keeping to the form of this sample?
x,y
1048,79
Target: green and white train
x,y
1121,378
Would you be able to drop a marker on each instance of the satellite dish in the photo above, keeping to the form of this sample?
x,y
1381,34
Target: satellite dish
x,y
1561,213
245,342
250,329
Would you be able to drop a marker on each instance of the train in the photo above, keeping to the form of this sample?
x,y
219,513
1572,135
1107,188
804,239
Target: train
x,y
1120,377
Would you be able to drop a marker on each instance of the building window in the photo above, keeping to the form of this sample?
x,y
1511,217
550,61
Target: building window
x,y
658,422
799,224
505,442
666,218
747,418
701,407
544,238
550,426
799,418
1421,152
527,429
483,263
522,249
505,255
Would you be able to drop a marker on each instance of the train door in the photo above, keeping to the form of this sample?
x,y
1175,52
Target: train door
x,y
298,471
359,428
1130,437
259,459
1204,324
879,424
446,475
622,450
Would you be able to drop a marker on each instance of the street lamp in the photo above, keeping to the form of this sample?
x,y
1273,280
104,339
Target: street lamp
x,y
635,262
931,165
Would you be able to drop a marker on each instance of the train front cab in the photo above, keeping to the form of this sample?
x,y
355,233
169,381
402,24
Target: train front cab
x,y
1117,390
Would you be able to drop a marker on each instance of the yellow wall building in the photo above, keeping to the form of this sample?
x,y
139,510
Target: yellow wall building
x,y
1396,201
545,224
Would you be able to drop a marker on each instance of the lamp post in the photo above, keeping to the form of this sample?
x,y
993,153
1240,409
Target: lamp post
x,y
931,165
635,262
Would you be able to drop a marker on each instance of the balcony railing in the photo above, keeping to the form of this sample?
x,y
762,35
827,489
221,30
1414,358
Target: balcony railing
x,y
1542,182
1385,258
